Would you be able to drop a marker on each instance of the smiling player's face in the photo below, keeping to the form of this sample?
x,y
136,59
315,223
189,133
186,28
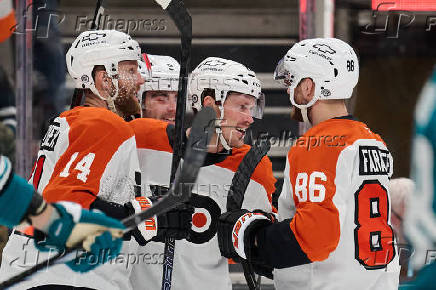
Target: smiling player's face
x,y
237,118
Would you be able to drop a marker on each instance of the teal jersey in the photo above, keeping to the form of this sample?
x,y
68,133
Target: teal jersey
x,y
420,221
15,194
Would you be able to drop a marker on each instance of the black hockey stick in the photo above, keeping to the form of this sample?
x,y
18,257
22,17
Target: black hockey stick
x,y
98,13
235,197
182,19
76,100
201,133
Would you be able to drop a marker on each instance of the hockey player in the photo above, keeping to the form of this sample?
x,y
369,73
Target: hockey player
x,y
420,219
400,190
88,155
235,94
334,230
60,222
158,94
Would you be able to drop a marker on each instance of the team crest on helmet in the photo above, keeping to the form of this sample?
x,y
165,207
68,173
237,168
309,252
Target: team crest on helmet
x,y
84,78
325,92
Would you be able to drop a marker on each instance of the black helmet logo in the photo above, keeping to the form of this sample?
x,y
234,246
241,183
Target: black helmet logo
x,y
324,48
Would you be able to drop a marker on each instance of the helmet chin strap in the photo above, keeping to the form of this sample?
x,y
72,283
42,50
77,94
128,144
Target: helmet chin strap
x,y
219,131
109,100
305,115
304,110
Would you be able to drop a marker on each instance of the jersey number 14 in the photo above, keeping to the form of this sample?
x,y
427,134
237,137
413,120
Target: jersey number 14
x,y
83,167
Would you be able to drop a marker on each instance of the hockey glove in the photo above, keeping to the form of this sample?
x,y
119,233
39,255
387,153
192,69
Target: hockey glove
x,y
72,226
175,223
236,237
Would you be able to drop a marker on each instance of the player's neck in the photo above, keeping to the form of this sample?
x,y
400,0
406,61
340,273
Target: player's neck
x,y
324,110
92,100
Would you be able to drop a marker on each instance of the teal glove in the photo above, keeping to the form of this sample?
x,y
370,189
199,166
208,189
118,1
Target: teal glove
x,y
103,249
72,226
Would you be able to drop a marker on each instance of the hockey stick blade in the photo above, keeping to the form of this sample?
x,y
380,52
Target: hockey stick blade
x,y
202,131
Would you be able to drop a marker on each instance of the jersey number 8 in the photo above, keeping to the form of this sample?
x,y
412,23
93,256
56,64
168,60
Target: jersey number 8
x,y
373,236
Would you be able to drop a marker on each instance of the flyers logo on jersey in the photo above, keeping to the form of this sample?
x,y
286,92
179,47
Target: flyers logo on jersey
x,y
51,137
374,161
204,219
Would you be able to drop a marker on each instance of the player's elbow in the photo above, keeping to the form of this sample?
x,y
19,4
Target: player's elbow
x,y
278,247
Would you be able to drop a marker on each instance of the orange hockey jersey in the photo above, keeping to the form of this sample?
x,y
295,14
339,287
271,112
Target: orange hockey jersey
x,y
198,264
86,152
334,208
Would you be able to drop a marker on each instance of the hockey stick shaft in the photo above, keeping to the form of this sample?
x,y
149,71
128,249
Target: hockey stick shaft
x,y
98,13
235,197
201,134
182,19
178,13
76,100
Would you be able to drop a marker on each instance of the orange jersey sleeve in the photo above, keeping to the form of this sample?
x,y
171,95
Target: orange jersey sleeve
x,y
94,140
151,134
316,221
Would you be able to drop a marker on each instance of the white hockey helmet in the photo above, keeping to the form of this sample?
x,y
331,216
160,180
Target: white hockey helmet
x,y
331,63
160,72
100,47
224,76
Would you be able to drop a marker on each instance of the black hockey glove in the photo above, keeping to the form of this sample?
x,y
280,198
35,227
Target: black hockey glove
x,y
175,223
236,237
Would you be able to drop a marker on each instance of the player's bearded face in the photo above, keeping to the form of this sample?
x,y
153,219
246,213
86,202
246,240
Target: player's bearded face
x,y
237,118
160,105
129,82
